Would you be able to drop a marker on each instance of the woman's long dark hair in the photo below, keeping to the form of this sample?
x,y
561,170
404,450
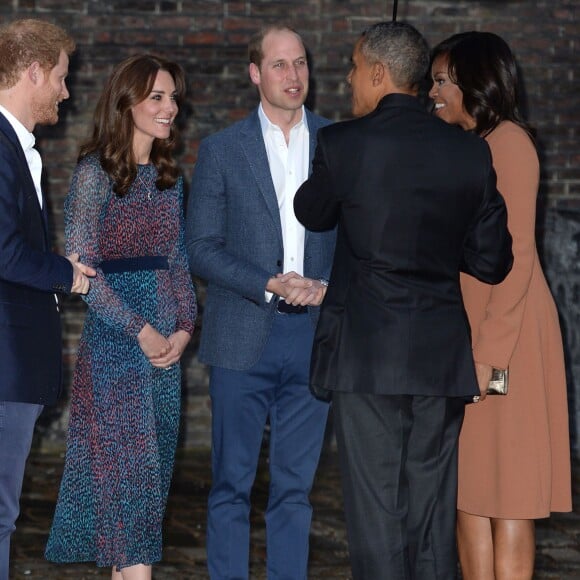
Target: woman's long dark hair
x,y
130,83
482,65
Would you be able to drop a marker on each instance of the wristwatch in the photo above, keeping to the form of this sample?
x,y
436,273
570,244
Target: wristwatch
x,y
323,281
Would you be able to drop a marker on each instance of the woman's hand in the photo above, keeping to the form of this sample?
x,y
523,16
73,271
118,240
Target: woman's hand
x,y
153,344
178,341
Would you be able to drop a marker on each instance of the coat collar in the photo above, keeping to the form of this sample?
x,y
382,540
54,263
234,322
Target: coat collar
x,y
23,135
8,130
12,138
397,100
252,144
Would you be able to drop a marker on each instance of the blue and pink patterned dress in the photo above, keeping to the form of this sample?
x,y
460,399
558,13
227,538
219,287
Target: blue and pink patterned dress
x,y
124,413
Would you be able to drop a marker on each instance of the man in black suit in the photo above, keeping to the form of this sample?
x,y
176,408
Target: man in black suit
x,y
34,59
415,201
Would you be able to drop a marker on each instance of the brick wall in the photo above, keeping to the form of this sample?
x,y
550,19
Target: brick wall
x,y
209,39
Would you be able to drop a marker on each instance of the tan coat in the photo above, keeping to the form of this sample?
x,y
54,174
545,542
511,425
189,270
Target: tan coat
x,y
514,455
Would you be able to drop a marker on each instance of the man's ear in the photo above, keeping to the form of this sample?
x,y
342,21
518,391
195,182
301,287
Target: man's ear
x,y
35,73
254,73
377,73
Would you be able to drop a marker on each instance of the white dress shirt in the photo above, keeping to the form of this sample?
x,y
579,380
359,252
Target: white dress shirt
x,y
27,141
289,169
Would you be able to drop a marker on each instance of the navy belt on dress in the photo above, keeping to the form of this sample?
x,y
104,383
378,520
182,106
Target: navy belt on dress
x,y
134,264
283,307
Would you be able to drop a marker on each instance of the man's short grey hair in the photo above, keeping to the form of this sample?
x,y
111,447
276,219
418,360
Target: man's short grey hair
x,y
401,48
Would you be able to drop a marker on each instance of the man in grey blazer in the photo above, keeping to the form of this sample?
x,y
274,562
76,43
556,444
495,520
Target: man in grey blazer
x,y
266,277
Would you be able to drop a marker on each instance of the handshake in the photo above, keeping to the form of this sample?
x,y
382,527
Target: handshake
x,y
81,275
297,290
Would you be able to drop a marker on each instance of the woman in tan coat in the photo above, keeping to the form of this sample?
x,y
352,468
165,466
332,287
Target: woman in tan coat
x,y
514,457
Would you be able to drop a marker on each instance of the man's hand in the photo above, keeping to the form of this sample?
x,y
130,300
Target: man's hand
x,y
300,291
81,275
483,373
277,284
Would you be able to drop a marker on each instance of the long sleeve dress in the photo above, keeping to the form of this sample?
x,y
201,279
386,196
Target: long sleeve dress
x,y
514,454
124,413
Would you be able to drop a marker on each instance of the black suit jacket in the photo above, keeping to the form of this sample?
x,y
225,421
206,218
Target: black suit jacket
x,y
415,202
30,335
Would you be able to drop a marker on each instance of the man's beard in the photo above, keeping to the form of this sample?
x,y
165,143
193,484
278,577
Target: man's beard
x,y
45,109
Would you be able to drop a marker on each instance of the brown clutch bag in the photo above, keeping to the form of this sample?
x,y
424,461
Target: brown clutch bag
x,y
498,384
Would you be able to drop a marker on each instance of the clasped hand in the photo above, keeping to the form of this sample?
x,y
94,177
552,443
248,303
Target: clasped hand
x,y
297,290
81,275
162,352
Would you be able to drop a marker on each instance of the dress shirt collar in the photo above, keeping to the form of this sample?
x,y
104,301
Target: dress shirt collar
x,y
25,137
267,125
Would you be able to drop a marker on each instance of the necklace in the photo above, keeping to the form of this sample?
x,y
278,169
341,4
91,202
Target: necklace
x,y
148,183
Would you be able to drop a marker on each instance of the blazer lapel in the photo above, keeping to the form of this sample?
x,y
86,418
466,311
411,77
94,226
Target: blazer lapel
x,y
252,144
312,131
28,184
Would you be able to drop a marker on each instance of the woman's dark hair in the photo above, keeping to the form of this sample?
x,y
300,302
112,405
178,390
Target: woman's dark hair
x,y
482,65
130,83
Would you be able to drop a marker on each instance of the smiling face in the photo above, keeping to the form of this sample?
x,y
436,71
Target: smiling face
x,y
447,96
50,90
282,77
154,116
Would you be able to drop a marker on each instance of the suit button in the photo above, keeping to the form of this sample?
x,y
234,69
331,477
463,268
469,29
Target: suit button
x,y
279,263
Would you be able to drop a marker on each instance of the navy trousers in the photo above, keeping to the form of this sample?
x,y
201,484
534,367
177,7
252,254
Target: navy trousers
x,y
275,388
398,459
17,422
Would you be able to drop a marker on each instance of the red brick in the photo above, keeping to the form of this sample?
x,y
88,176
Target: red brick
x,y
209,37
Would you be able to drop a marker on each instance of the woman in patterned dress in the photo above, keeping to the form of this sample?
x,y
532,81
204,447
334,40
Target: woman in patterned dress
x,y
124,216
514,456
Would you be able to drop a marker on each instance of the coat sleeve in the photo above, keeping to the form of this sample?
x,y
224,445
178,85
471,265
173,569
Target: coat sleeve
x,y
487,251
516,163
206,231
315,203
83,212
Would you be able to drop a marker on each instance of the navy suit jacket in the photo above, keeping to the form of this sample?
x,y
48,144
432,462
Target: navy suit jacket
x,y
30,275
234,241
416,202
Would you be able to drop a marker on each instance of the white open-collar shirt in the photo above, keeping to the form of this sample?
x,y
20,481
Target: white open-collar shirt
x,y
289,165
27,141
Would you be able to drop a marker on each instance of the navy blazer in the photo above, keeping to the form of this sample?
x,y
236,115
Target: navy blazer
x,y
416,202
234,241
30,275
